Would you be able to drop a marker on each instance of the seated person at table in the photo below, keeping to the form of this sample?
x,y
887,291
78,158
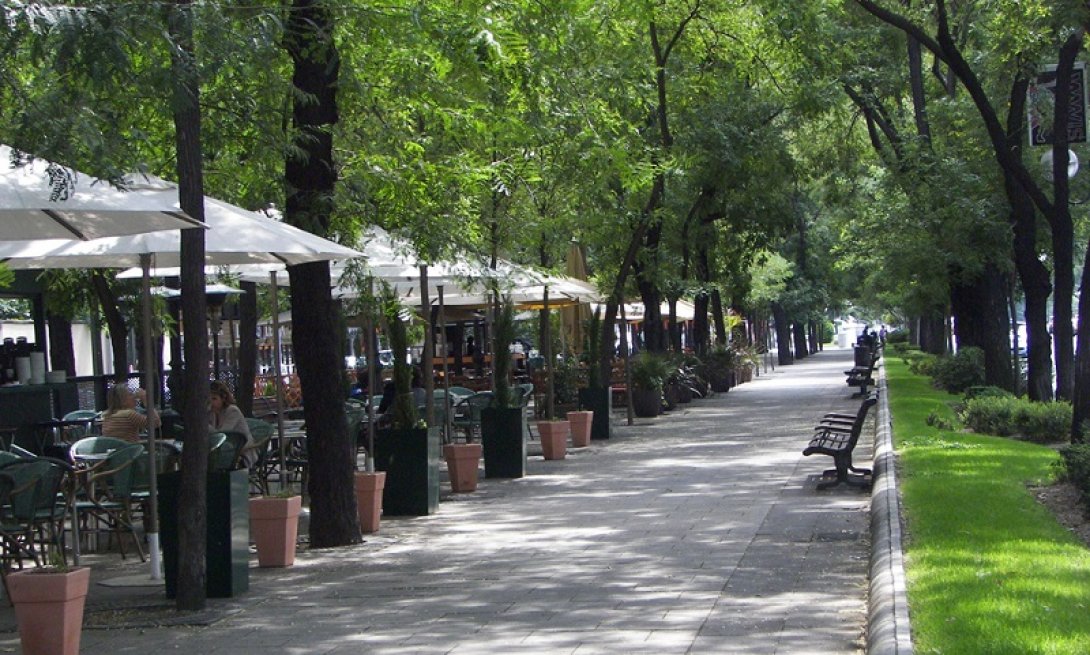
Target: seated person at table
x,y
225,416
121,420
389,393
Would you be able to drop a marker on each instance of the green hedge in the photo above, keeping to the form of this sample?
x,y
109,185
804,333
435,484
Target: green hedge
x,y
1005,416
1075,467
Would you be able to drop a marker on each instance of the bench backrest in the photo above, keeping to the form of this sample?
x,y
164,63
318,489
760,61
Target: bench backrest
x,y
861,418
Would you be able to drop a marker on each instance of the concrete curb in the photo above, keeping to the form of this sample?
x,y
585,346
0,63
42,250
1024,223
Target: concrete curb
x,y
888,628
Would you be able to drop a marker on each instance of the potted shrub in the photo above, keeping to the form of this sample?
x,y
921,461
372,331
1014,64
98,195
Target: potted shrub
x,y
274,527
596,397
49,607
502,440
408,451
369,484
463,462
718,369
649,373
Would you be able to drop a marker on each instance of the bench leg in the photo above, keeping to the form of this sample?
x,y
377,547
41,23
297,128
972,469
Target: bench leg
x,y
843,465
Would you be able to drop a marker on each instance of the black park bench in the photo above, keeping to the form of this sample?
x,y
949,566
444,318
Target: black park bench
x,y
837,435
863,376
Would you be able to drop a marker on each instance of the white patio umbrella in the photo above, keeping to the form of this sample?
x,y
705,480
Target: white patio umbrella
x,y
43,200
235,236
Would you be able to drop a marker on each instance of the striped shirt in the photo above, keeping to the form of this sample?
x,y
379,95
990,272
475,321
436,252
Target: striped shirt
x,y
125,424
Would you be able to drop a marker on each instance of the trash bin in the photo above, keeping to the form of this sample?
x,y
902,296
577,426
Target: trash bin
x,y
228,548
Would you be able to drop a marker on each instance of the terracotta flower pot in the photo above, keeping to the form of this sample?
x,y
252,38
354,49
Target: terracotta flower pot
x,y
580,428
49,609
554,438
274,526
369,488
463,460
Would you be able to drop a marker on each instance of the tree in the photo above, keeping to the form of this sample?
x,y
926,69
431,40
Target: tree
x,y
311,176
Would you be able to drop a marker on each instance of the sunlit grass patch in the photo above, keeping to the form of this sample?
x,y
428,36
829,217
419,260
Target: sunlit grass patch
x,y
989,569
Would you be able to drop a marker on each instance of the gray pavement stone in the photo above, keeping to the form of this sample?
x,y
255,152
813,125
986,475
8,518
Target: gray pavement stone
x,y
700,531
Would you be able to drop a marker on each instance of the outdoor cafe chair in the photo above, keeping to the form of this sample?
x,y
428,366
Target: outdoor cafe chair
x,y
74,433
107,495
21,452
226,455
467,414
32,521
526,391
95,449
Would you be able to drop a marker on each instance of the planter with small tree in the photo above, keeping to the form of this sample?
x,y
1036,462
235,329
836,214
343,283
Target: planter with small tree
x,y
504,444
408,451
597,396
649,373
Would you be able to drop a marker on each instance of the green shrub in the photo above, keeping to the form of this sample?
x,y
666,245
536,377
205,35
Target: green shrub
x,y
897,337
1075,467
921,363
956,373
991,415
987,391
938,421
1006,415
1045,422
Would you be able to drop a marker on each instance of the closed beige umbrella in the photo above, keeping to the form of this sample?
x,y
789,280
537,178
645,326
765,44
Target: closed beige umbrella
x,y
574,318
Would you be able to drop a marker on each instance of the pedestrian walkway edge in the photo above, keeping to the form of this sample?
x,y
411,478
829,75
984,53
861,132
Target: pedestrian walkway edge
x,y
888,629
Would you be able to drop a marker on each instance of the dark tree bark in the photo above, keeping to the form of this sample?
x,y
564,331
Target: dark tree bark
x,y
192,518
721,336
981,321
783,335
798,331
675,327
933,333
1032,273
62,355
310,180
115,323
247,348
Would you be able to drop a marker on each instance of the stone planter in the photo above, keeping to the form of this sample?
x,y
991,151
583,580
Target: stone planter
x,y
581,423
49,609
463,461
369,488
599,401
410,459
646,403
554,438
503,442
274,527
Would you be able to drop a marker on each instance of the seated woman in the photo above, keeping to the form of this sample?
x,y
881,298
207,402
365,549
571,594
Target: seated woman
x,y
225,416
121,420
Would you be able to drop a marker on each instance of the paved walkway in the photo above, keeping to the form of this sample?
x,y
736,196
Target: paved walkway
x,y
696,532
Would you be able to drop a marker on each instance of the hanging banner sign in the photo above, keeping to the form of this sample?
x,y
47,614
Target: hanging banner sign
x,y
1042,101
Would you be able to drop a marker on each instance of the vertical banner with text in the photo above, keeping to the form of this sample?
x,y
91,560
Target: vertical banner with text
x,y
1041,102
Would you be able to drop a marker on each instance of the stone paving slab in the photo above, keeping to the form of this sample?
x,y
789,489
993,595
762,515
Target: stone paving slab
x,y
700,531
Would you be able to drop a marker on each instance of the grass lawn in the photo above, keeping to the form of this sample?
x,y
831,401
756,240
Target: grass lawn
x,y
989,569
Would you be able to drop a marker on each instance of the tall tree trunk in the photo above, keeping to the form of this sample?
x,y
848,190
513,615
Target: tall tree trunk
x,y
721,336
192,518
62,355
1063,229
1032,273
247,348
933,332
115,323
783,335
981,320
310,177
675,326
798,330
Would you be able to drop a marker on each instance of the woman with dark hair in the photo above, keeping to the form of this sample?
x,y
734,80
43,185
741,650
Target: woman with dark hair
x,y
225,416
